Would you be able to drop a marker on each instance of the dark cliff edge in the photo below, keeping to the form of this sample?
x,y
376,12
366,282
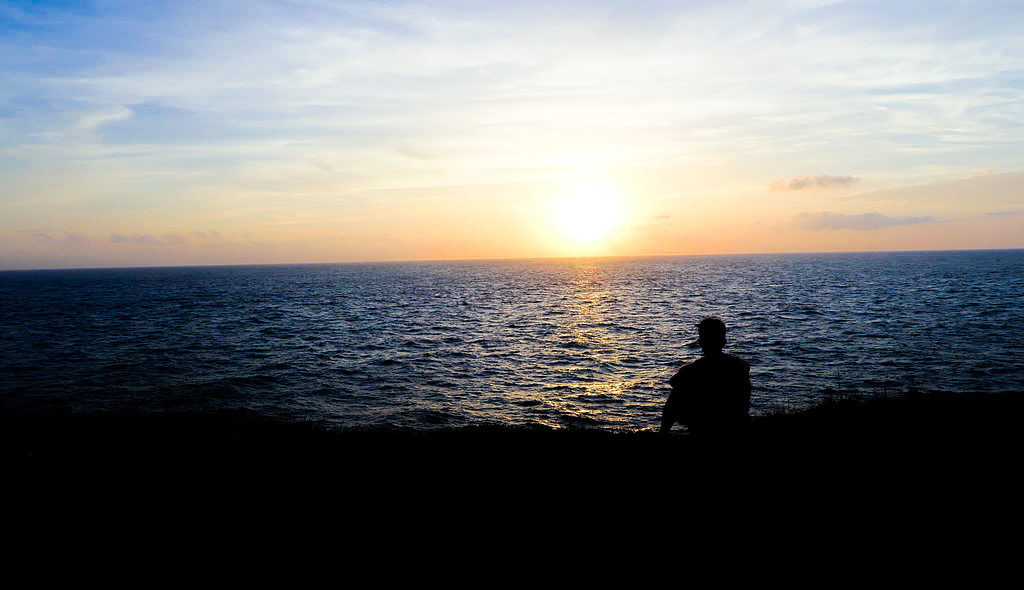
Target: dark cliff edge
x,y
920,474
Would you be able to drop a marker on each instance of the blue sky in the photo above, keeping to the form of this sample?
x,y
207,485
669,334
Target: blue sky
x,y
234,132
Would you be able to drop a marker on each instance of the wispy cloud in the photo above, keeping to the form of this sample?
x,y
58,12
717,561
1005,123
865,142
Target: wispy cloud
x,y
75,239
211,234
133,239
659,222
91,121
168,239
817,181
856,221
1005,213
174,239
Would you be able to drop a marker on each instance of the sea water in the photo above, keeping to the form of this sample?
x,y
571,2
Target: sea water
x,y
558,342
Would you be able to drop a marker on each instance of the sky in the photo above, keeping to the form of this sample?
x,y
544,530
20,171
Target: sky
x,y
249,132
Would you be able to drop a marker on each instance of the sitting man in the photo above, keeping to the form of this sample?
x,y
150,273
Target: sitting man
x,y
711,395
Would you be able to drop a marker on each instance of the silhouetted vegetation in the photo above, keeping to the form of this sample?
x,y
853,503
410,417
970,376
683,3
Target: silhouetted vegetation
x,y
913,473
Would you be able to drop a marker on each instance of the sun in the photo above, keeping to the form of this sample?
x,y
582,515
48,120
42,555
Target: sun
x,y
588,211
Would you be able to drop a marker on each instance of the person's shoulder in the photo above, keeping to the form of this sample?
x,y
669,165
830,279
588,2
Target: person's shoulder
x,y
691,366
699,367
695,362
684,371
737,361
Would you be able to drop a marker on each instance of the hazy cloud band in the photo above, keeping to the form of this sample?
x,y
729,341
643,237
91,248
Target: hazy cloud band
x,y
858,221
818,181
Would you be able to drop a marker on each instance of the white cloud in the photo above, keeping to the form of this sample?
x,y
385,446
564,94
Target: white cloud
x,y
92,120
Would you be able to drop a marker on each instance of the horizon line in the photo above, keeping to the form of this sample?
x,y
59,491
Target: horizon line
x,y
507,258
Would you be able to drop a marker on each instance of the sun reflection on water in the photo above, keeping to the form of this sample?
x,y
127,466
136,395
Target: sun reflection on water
x,y
591,378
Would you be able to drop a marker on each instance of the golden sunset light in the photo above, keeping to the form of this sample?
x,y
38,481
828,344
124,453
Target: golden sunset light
x,y
588,211
141,134
737,276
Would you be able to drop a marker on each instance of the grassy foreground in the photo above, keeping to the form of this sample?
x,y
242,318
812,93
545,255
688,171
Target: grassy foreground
x,y
925,474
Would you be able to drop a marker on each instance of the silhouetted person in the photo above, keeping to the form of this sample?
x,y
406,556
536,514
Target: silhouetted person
x,y
711,395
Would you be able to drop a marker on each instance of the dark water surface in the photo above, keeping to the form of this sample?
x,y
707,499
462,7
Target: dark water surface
x,y
556,341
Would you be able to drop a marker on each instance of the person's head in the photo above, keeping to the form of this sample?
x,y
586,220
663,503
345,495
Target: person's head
x,y
711,334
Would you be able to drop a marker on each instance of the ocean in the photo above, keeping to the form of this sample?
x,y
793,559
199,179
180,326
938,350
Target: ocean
x,y
555,342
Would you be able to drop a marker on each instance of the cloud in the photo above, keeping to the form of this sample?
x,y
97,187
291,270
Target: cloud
x,y
168,239
857,221
75,239
46,238
211,234
659,223
1005,213
817,181
91,121
133,239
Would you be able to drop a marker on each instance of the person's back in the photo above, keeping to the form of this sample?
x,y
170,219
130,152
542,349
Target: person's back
x,y
711,394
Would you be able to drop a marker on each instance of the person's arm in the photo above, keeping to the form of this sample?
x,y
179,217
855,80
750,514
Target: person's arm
x,y
669,415
667,419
